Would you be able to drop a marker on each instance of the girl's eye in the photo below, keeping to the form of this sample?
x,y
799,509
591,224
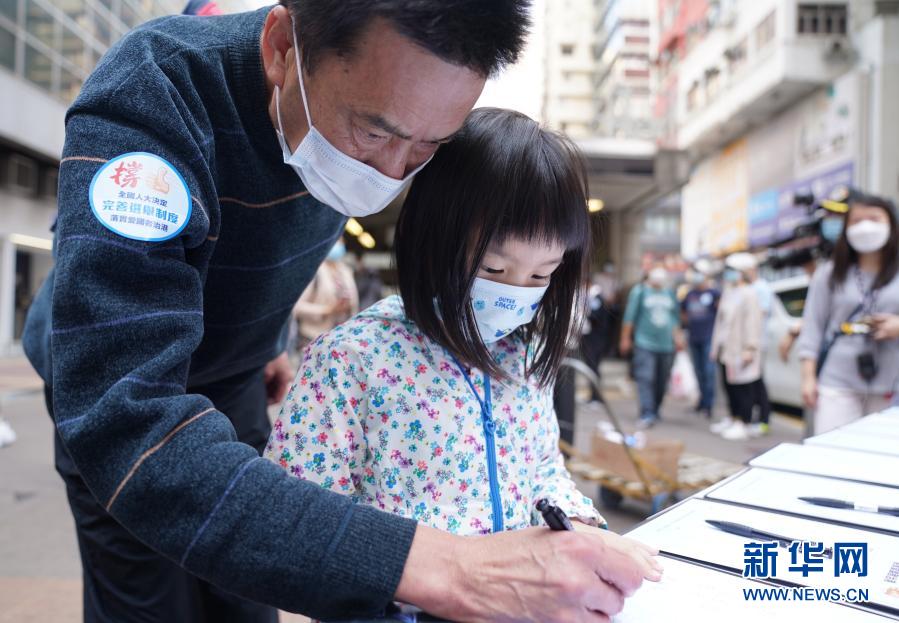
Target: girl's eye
x,y
492,271
540,276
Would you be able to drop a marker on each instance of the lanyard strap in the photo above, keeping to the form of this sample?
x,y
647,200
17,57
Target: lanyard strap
x,y
486,407
869,295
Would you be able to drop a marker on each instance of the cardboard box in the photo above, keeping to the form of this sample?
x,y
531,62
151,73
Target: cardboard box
x,y
664,454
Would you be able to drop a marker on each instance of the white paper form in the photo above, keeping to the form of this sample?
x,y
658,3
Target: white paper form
x,y
878,469
780,491
683,530
877,424
857,440
689,592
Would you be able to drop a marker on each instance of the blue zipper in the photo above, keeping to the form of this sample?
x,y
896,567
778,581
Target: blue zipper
x,y
489,436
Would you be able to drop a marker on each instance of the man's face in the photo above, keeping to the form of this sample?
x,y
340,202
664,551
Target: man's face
x,y
389,104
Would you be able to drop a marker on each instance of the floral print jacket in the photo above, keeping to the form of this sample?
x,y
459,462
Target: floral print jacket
x,y
383,414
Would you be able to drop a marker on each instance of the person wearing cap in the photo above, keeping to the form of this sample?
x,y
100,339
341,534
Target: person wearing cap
x,y
698,310
736,345
849,344
651,331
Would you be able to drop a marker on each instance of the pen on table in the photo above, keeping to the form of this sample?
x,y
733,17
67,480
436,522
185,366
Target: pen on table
x,y
751,533
832,503
554,516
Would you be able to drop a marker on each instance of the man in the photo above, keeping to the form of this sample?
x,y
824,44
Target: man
x,y
698,309
183,241
651,329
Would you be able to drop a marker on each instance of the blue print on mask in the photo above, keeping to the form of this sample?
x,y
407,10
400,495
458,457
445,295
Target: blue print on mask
x,y
479,304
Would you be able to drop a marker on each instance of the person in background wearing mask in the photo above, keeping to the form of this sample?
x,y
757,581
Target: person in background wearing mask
x,y
698,310
765,297
328,300
849,344
831,228
651,329
736,345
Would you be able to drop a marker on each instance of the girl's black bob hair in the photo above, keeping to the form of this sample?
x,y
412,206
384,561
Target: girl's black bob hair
x,y
501,177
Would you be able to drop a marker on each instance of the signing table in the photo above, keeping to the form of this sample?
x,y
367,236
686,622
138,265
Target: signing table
x,y
797,535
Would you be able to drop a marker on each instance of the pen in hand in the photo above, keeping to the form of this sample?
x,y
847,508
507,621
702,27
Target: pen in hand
x,y
554,516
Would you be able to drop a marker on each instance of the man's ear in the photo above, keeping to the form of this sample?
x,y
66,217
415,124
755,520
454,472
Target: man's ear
x,y
277,45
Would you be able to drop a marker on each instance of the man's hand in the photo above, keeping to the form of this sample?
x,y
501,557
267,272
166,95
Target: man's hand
x,y
278,375
625,345
886,326
679,342
525,575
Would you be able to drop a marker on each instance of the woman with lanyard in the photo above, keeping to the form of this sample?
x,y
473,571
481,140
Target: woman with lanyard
x,y
849,345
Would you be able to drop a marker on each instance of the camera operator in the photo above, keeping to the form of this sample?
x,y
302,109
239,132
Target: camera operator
x,y
849,344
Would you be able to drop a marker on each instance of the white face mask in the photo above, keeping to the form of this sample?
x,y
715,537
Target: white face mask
x,y
658,277
348,186
499,309
868,236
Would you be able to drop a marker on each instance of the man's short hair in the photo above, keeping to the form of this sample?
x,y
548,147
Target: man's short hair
x,y
481,36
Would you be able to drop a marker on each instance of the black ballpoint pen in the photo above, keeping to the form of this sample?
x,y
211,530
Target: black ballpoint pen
x,y
832,503
554,516
751,533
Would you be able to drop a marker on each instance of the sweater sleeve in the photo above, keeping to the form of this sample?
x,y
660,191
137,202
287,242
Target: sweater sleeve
x,y
815,315
126,318
553,481
318,436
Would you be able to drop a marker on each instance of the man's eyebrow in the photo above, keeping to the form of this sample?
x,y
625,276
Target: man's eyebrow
x,y
381,123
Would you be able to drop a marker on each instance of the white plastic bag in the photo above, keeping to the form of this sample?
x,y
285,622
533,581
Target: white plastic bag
x,y
683,384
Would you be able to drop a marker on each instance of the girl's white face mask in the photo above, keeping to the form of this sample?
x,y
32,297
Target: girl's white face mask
x,y
348,186
499,309
868,236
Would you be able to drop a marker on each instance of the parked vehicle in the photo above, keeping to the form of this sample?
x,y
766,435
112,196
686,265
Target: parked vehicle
x,y
782,377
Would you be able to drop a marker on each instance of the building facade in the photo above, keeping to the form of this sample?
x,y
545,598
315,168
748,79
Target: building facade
x,y
778,100
570,66
47,49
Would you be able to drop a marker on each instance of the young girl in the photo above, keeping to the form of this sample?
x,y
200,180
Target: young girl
x,y
438,405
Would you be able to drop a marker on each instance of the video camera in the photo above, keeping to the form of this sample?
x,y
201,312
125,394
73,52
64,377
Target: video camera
x,y
808,243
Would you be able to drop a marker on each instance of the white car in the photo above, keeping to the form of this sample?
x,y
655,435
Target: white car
x,y
782,378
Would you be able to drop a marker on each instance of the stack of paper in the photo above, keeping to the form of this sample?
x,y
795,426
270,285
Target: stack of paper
x,y
878,469
683,530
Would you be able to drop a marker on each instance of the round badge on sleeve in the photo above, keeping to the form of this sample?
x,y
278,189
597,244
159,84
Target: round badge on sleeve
x,y
140,196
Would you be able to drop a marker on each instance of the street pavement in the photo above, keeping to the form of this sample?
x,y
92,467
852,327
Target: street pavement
x,y
39,566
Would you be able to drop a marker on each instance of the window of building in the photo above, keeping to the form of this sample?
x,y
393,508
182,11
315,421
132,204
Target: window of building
x,y
38,68
51,182
712,83
765,31
40,24
693,97
736,55
822,19
10,9
567,49
21,173
7,49
69,85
